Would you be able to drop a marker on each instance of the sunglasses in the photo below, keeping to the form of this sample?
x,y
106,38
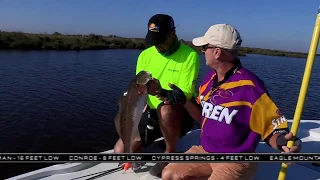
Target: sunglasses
x,y
207,46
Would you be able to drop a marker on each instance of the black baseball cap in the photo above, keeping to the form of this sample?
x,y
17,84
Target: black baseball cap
x,y
159,28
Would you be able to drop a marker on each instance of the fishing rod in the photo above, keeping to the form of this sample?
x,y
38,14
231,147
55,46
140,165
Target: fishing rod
x,y
303,89
99,174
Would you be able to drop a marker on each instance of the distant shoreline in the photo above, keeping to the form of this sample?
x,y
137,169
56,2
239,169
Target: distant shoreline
x,y
58,41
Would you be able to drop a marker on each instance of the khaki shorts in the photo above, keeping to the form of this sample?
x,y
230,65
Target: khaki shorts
x,y
213,171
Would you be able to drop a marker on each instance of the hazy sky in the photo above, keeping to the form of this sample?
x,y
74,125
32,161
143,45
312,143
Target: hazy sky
x,y
274,24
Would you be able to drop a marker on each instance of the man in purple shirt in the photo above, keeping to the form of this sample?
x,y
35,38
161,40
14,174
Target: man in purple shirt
x,y
234,109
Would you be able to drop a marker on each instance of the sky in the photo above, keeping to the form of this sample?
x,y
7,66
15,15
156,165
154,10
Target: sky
x,y
273,24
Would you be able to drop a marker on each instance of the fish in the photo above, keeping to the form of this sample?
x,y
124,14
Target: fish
x,y
132,104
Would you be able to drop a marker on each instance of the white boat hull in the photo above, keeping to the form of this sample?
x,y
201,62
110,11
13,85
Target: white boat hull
x,y
309,131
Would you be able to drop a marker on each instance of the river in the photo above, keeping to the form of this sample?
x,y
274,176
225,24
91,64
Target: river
x,y
65,101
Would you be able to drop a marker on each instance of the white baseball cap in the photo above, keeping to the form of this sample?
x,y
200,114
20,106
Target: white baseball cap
x,y
220,35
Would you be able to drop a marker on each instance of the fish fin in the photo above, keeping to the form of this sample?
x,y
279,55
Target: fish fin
x,y
136,136
117,124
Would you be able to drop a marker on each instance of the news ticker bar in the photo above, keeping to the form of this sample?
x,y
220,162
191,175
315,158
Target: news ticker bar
x,y
156,157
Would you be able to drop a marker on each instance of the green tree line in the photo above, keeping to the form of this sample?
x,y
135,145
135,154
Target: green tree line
x,y
58,41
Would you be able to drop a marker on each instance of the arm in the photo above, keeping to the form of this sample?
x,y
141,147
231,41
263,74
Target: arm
x,y
194,109
177,96
189,75
267,120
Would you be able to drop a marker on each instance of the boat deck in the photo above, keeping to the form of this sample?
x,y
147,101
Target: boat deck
x,y
309,132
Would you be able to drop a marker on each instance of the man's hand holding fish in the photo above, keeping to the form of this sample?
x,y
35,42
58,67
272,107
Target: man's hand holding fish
x,y
154,87
174,96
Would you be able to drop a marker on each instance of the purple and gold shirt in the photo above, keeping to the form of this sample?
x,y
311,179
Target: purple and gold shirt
x,y
237,114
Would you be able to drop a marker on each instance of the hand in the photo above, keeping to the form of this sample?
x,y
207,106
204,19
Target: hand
x,y
154,87
141,88
174,96
296,146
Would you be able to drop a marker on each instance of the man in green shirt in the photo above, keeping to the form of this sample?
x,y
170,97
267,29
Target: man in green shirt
x,y
169,61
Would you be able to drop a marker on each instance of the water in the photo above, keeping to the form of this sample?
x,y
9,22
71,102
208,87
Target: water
x,y
66,101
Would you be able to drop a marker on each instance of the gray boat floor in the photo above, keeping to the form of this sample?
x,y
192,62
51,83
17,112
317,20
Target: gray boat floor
x,y
309,131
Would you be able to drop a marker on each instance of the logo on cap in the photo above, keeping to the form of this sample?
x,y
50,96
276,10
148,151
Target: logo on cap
x,y
153,28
